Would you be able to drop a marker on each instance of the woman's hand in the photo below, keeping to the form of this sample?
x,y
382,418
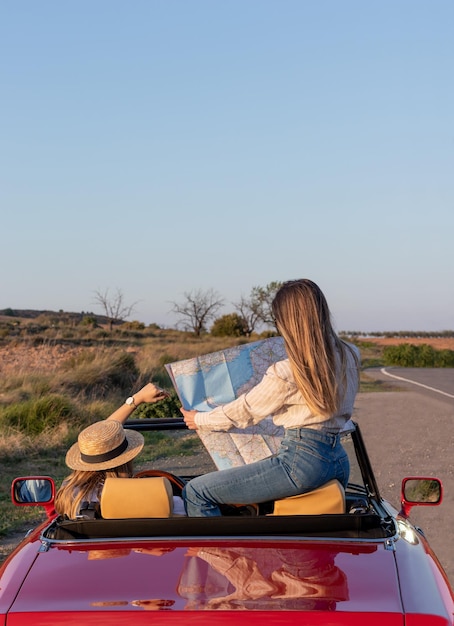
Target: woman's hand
x,y
189,418
150,393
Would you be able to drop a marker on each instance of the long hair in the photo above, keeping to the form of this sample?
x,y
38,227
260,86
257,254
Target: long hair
x,y
81,486
317,356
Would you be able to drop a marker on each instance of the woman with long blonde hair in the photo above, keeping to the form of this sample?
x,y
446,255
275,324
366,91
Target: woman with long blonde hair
x,y
103,449
311,394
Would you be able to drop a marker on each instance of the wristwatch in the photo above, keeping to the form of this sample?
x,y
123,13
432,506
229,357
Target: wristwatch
x,y
130,401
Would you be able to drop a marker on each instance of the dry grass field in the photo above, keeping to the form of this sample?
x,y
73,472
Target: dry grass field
x,y
439,343
24,358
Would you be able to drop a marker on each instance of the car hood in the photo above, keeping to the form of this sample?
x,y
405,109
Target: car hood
x,y
169,577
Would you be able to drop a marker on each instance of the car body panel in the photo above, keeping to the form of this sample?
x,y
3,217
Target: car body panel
x,y
419,569
13,571
275,578
221,618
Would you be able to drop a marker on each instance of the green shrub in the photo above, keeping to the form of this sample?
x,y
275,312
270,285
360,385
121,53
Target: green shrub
x,y
445,358
409,355
34,416
403,355
170,407
230,325
90,321
134,325
425,356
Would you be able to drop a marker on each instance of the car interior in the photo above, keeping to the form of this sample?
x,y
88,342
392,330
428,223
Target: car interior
x,y
143,506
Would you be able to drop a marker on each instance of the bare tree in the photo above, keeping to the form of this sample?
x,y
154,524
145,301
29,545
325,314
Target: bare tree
x,y
265,295
250,311
257,308
198,308
115,308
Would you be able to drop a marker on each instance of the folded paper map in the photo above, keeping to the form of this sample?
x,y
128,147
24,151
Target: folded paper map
x,y
206,381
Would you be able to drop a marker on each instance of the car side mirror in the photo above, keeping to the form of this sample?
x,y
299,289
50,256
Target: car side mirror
x,y
34,491
419,491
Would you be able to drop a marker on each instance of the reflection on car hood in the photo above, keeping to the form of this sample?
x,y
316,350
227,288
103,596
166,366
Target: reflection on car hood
x,y
197,576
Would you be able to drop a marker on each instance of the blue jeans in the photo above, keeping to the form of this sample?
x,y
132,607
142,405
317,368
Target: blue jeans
x,y
306,460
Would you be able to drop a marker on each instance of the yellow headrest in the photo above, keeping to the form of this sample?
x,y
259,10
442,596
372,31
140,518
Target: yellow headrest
x,y
329,498
123,498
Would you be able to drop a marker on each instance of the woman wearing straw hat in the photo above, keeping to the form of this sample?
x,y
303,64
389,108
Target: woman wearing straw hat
x,y
103,449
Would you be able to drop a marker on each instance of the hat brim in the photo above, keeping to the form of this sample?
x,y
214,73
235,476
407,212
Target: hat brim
x,y
135,445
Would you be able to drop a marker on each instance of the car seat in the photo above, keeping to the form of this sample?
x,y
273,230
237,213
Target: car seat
x,y
125,498
329,498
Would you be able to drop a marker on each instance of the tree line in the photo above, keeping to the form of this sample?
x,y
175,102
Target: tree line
x,y
199,308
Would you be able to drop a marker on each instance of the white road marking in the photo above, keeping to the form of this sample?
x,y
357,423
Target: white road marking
x,y
413,382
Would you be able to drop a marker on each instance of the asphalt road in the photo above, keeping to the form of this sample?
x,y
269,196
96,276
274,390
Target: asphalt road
x,y
410,431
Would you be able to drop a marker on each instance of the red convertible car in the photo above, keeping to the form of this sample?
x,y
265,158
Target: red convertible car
x,y
328,557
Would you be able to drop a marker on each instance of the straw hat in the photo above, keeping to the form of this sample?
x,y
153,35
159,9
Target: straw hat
x,y
104,445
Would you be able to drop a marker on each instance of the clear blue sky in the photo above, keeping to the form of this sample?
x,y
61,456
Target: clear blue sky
x,y
165,146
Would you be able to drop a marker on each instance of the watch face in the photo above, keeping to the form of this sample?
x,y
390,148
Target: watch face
x,y
130,400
